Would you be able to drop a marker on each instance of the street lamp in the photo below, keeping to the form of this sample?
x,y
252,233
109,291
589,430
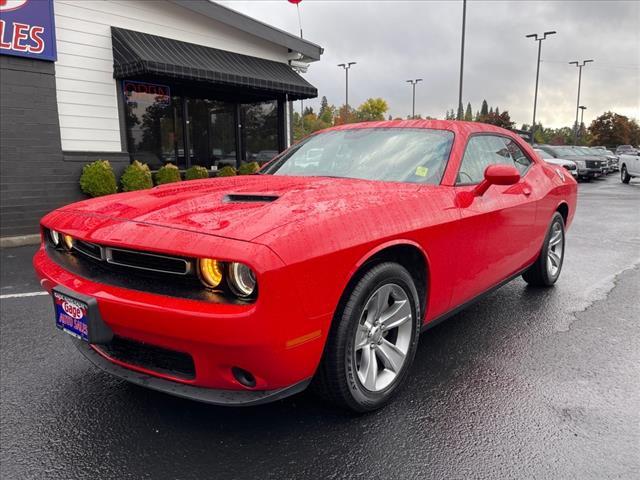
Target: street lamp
x,y
535,95
464,17
582,109
413,108
346,67
579,65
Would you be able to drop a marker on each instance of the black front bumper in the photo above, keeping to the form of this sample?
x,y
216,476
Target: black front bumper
x,y
239,398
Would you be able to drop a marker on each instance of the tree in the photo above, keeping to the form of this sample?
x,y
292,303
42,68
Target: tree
x,y
372,109
477,116
326,112
307,111
500,120
484,110
468,115
611,130
490,111
460,114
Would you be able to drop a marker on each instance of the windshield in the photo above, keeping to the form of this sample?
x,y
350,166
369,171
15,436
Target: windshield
x,y
542,153
566,151
389,154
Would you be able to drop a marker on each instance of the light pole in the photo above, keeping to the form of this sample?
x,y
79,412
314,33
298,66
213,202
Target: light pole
x,y
535,95
579,65
464,17
413,84
346,67
582,109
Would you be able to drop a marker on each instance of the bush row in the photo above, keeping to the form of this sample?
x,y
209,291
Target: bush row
x,y
98,178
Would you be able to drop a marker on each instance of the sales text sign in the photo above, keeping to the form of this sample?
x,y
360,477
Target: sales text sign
x,y
27,29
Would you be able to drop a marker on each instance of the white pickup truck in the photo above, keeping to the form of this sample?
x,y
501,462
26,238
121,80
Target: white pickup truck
x,y
629,166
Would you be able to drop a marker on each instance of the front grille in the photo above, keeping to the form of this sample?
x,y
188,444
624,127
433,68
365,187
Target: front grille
x,y
593,163
147,261
150,357
90,249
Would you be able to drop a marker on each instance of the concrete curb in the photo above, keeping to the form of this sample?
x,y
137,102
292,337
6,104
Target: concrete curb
x,y
19,240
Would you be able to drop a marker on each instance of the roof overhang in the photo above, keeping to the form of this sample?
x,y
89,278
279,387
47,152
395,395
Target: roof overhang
x,y
309,50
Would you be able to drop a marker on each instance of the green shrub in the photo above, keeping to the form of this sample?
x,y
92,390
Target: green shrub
x,y
196,172
168,173
97,179
248,168
227,171
136,176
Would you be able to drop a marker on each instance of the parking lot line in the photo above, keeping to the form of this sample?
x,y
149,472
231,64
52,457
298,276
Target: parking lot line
x,y
21,295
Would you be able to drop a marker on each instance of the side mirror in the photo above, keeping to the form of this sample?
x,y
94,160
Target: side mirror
x,y
497,175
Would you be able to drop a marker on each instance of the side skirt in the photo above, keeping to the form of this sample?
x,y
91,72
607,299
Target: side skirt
x,y
438,320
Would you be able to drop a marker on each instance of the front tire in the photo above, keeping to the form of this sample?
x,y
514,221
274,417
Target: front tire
x,y
546,269
624,175
372,341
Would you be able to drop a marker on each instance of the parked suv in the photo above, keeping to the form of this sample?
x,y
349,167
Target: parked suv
x,y
568,165
589,166
626,149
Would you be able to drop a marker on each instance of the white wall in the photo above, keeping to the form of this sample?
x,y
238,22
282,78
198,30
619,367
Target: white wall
x,y
86,89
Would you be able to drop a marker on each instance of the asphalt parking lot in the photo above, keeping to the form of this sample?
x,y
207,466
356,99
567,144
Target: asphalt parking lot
x,y
525,384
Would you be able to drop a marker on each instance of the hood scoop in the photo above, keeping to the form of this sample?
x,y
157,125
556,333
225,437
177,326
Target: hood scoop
x,y
249,198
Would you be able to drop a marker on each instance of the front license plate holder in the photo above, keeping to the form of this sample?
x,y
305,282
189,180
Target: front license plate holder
x,y
79,316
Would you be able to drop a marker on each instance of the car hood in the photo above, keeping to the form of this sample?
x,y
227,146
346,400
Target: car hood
x,y
559,161
242,207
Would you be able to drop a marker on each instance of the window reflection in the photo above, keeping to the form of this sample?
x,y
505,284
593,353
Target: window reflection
x,y
260,131
154,124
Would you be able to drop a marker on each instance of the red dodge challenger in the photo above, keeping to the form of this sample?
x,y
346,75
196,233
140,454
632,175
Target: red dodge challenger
x,y
322,268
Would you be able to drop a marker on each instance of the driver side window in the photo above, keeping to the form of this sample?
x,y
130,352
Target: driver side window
x,y
482,151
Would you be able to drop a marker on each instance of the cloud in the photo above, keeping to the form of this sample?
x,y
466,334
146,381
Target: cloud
x,y
393,41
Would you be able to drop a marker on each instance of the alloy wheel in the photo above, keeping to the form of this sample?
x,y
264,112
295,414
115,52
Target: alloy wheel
x,y
555,250
383,337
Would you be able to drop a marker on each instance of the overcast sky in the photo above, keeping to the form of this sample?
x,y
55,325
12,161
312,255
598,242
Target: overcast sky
x,y
393,41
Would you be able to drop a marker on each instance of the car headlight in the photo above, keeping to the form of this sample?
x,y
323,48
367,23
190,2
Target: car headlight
x,y
242,280
210,272
54,236
68,241
581,163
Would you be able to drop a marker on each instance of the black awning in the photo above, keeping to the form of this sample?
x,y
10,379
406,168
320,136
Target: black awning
x,y
136,53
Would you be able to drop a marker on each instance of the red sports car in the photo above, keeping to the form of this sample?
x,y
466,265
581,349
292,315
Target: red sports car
x,y
324,267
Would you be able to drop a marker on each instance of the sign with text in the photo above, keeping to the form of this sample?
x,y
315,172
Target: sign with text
x,y
27,29
135,92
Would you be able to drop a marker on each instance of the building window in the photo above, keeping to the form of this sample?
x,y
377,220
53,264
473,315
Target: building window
x,y
259,131
154,124
167,126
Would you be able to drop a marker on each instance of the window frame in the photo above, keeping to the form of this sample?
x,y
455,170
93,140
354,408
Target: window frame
x,y
490,134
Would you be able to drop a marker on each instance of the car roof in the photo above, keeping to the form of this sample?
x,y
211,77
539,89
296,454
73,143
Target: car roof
x,y
454,126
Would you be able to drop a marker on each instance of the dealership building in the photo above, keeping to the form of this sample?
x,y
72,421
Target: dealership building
x,y
187,82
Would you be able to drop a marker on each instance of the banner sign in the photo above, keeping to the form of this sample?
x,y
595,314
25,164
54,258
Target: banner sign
x,y
140,91
27,29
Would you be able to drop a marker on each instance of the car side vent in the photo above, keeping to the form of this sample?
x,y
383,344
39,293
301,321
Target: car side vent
x,y
249,198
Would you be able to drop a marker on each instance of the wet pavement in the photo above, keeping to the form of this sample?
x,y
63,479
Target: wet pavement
x,y
525,384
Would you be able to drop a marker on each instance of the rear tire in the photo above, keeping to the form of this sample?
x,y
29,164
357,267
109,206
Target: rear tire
x,y
546,269
361,336
624,175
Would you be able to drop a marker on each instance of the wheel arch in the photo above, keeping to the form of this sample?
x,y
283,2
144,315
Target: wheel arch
x,y
563,209
405,252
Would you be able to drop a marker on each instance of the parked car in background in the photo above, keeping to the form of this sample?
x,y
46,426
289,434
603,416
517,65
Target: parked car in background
x,y
626,149
629,166
568,165
610,155
242,290
588,166
588,151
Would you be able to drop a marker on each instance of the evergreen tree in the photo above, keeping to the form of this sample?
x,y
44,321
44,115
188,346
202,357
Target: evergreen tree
x,y
491,111
497,111
468,115
484,110
477,117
